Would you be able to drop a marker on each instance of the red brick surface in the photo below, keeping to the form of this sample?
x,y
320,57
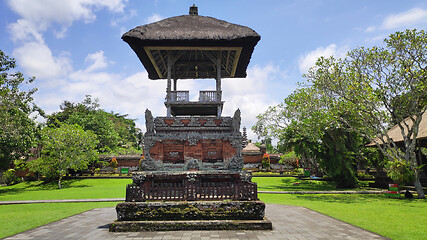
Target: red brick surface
x,y
177,151
252,158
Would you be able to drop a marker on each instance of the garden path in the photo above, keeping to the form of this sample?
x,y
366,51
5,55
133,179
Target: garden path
x,y
289,222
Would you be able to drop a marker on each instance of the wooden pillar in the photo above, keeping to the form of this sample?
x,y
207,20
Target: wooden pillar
x,y
168,88
175,81
218,82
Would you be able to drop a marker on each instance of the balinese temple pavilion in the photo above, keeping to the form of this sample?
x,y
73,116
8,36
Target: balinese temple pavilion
x,y
193,47
191,177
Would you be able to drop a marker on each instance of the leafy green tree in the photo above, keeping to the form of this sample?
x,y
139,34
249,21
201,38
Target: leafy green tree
x,y
114,131
64,148
307,122
18,130
382,86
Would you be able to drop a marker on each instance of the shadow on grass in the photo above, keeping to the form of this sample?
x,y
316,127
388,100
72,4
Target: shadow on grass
x,y
294,184
39,185
358,198
287,184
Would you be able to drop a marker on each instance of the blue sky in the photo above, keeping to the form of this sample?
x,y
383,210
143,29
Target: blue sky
x,y
74,47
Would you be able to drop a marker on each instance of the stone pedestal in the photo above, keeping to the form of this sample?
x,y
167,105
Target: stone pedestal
x,y
197,215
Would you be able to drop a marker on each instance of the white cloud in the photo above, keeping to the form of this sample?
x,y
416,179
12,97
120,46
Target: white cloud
x,y
37,60
123,94
43,13
251,94
97,61
24,30
153,18
37,16
309,59
409,18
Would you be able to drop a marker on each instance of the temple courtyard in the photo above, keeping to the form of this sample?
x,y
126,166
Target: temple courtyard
x,y
289,222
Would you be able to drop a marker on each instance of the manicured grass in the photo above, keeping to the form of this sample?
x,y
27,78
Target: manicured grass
x,y
72,189
21,217
287,184
393,218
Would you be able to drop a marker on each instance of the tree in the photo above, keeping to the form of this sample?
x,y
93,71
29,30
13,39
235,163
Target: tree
x,y
306,123
381,86
18,130
64,148
114,131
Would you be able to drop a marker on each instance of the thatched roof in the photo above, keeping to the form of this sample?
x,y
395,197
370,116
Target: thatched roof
x,y
193,33
396,134
190,28
251,148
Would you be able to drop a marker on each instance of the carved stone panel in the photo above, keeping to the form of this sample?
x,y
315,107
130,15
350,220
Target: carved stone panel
x,y
212,150
173,152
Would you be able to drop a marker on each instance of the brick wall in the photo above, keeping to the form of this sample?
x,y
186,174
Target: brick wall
x,y
252,158
177,151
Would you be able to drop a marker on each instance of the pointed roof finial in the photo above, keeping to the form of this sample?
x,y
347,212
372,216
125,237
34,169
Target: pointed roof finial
x,y
194,10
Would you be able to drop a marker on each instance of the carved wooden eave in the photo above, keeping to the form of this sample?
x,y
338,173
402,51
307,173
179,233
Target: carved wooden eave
x,y
194,62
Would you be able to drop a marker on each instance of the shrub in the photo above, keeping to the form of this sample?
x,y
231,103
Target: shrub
x,y
10,178
113,162
400,171
265,161
289,159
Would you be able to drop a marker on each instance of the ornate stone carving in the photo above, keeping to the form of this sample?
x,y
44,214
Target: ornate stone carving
x,y
177,123
226,122
192,142
149,122
210,123
236,163
148,164
194,122
193,164
191,177
160,122
173,154
138,178
235,126
246,176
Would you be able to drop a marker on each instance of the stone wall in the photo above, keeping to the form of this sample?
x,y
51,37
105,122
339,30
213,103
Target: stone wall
x,y
175,143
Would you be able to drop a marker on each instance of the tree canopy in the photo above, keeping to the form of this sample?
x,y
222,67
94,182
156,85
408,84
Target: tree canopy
x,y
114,131
18,130
64,148
363,94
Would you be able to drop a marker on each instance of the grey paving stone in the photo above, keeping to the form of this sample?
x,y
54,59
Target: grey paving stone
x,y
289,222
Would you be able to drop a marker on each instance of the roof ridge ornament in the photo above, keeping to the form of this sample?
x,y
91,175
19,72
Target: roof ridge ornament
x,y
194,10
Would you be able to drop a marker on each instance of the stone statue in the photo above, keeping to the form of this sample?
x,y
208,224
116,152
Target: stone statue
x,y
149,122
235,126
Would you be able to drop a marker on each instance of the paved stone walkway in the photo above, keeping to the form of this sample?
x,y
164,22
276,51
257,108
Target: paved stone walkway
x,y
289,222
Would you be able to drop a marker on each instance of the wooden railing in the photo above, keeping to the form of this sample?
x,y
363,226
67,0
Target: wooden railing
x,y
180,96
204,96
209,96
191,191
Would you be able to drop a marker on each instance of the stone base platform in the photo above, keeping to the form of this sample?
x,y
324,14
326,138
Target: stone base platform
x,y
190,210
140,226
190,215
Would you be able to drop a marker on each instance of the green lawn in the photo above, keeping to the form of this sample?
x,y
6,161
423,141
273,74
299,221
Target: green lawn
x,y
394,218
72,189
21,217
287,184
